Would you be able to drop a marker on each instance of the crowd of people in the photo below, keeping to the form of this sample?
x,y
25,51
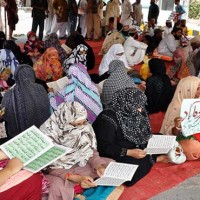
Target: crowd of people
x,y
103,116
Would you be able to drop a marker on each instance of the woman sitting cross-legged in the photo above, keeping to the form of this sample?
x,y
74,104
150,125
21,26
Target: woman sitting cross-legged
x,y
123,131
79,88
68,127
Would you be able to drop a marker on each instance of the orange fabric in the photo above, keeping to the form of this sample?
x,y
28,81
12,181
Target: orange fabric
x,y
48,66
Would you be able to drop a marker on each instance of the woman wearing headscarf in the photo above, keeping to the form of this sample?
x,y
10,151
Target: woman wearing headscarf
x,y
90,58
186,89
8,60
48,67
68,127
80,88
183,66
116,52
117,80
21,57
53,41
123,131
159,90
26,104
78,55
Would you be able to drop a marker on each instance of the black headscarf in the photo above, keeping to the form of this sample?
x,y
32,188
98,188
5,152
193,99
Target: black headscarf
x,y
159,90
21,57
26,104
134,124
90,63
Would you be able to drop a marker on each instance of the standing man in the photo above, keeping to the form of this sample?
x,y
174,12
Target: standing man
x,y
179,12
93,19
60,18
127,13
40,9
11,9
73,14
153,11
137,12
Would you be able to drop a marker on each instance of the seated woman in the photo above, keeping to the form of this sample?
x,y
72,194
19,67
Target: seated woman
x,y
183,65
187,88
90,57
21,57
48,67
123,131
68,127
116,52
80,88
113,37
159,90
8,60
33,47
117,80
53,41
16,184
26,104
78,55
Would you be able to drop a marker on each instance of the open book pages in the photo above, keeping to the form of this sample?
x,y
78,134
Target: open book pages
x,y
34,149
116,174
66,48
160,144
190,114
59,84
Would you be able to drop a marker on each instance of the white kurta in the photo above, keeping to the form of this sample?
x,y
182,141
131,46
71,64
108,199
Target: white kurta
x,y
127,9
134,51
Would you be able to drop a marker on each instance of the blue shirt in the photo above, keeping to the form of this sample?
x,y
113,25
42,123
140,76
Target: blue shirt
x,y
181,10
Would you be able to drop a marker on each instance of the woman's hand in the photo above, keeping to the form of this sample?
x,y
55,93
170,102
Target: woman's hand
x,y
177,122
14,165
51,90
100,170
136,153
87,182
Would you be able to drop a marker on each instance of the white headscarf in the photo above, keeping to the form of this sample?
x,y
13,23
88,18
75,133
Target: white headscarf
x,y
79,138
111,55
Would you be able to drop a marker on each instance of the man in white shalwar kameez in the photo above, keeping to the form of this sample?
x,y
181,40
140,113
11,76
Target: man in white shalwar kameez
x,y
127,12
82,11
134,50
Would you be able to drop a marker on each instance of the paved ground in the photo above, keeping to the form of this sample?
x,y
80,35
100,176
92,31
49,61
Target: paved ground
x,y
188,190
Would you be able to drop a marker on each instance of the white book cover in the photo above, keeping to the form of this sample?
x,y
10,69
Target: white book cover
x,y
160,144
34,149
59,84
190,114
116,174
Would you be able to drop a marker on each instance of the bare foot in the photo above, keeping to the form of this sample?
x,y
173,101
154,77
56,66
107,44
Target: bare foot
x,y
163,159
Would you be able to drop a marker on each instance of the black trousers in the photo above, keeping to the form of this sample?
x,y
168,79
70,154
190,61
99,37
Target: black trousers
x,y
38,21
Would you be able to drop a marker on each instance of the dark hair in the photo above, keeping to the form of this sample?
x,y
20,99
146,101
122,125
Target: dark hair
x,y
111,20
176,29
119,26
2,39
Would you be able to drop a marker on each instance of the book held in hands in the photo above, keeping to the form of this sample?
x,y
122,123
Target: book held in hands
x,y
34,149
116,174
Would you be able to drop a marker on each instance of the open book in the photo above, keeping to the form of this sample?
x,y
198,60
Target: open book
x,y
34,149
190,113
59,84
160,144
116,174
